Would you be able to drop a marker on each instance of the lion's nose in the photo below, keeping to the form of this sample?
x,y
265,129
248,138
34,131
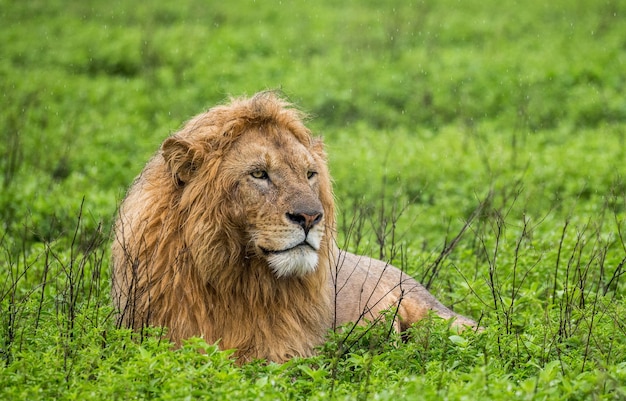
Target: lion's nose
x,y
306,220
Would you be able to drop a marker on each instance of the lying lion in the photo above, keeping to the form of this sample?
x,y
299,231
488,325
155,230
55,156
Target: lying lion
x,y
228,234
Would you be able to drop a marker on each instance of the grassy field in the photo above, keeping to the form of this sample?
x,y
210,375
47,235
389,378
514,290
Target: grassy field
x,y
480,145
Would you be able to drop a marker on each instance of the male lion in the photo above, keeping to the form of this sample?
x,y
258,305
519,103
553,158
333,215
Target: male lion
x,y
228,233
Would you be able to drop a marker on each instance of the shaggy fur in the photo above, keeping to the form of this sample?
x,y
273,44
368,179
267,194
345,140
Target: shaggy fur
x,y
190,254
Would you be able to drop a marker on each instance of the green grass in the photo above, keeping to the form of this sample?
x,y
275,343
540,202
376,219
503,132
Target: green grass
x,y
429,109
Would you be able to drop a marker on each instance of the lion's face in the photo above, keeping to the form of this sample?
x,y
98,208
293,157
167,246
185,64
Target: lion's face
x,y
277,185
252,188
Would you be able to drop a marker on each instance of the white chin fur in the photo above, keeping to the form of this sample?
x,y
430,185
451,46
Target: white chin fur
x,y
296,262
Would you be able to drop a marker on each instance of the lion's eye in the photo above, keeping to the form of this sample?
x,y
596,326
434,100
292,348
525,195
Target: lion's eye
x,y
311,174
259,174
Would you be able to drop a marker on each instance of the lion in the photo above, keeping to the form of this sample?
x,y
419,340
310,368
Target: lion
x,y
228,234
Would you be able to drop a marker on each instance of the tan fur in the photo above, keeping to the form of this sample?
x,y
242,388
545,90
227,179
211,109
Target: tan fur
x,y
196,234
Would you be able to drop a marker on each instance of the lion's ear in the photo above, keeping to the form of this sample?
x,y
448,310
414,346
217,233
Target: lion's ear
x,y
181,158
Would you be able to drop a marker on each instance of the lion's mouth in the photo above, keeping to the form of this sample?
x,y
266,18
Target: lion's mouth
x,y
303,244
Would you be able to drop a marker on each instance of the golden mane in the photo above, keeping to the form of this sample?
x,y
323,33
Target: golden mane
x,y
180,257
